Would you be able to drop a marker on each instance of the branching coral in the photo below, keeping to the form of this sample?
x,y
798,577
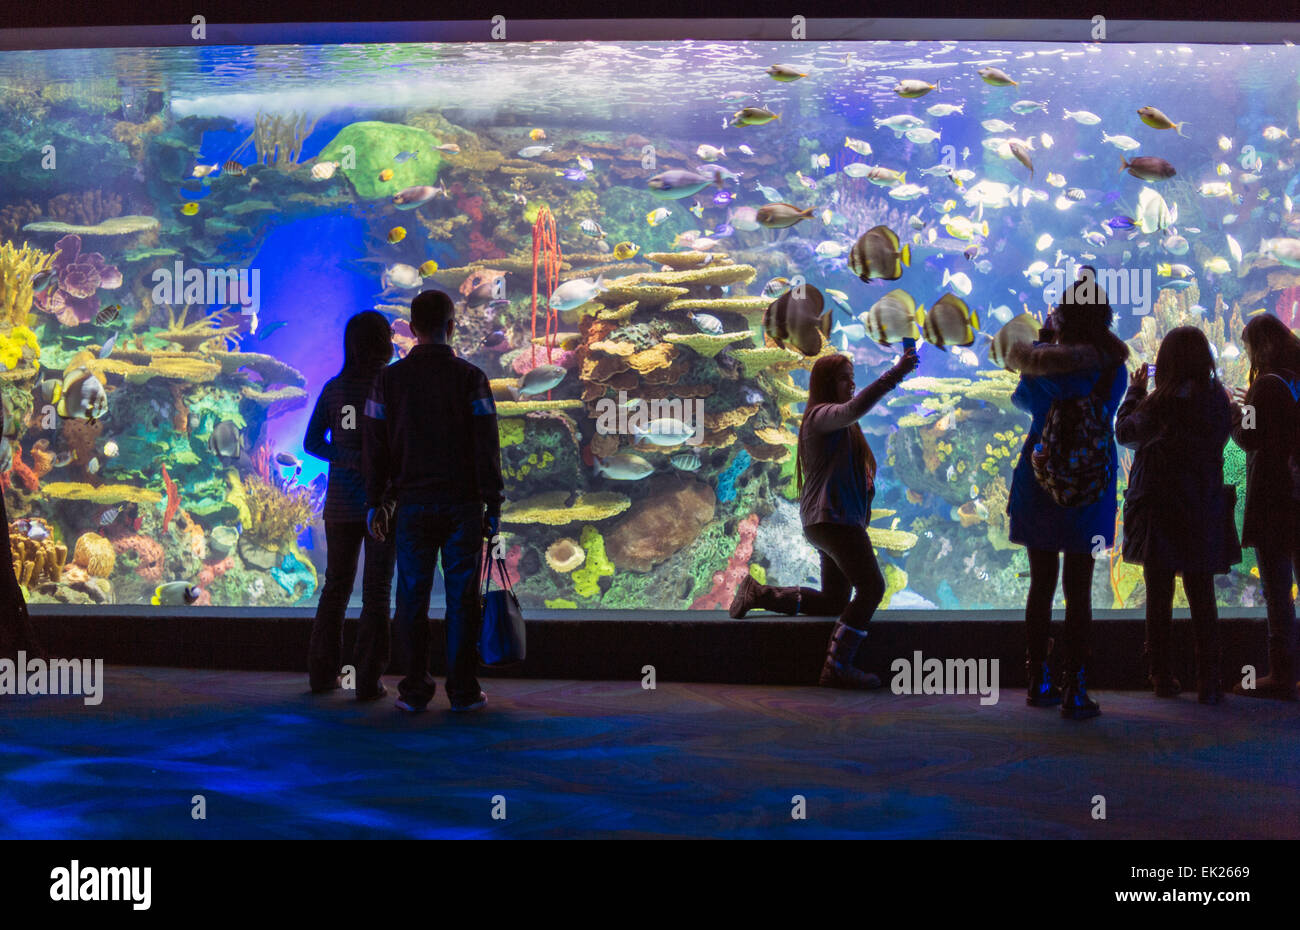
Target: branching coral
x,y
278,138
193,336
17,268
275,516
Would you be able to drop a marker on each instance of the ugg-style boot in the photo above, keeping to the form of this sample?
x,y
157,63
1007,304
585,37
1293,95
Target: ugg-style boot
x,y
1075,703
1043,691
1160,672
839,671
751,595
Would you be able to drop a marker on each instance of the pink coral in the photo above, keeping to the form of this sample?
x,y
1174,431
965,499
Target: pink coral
x,y
79,278
149,551
479,247
725,582
525,362
471,207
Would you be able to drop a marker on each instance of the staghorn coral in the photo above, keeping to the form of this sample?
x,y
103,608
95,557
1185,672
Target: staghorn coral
x,y
277,138
17,268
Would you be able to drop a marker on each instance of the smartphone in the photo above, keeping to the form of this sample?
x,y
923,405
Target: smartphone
x,y
909,343
1151,371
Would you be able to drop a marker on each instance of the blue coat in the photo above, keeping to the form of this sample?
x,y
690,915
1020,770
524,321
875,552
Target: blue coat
x,y
1037,521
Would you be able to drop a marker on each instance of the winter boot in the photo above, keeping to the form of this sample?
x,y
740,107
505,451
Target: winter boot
x,y
750,595
1043,691
1160,674
839,670
1280,682
1075,703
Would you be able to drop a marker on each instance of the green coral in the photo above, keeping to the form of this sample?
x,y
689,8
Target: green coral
x,y
511,431
586,580
895,581
1234,473
560,603
758,573
374,145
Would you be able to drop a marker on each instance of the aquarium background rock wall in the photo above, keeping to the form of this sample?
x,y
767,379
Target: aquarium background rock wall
x,y
153,452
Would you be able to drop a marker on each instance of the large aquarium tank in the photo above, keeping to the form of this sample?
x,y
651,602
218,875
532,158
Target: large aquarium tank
x,y
185,231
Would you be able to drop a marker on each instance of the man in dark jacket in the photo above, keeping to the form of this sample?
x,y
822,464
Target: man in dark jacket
x,y
431,428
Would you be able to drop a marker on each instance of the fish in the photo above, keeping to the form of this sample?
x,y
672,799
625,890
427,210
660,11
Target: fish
x,y
1234,249
1284,250
877,254
722,230
996,77
1147,168
226,441
1022,155
679,183
1123,143
63,459
107,348
110,449
1019,330
49,280
706,323
685,461
922,135
744,218
753,116
713,168
1002,314
590,227
233,169
495,341
892,318
428,268
396,235
1083,117
745,150
770,194
1121,222
829,249
1157,120
1044,242
949,322
189,208
412,197
696,209
1024,107
1075,194
37,531
82,396
801,320
537,135
267,330
1217,265
623,466
109,515
403,157
914,88
997,125
1274,133
175,594
1153,213
539,380
625,250
944,109
908,191
709,152
852,331
533,151
577,175
451,148
785,73
107,314
324,170
1169,270
775,287
665,431
483,294
961,227
585,163
961,281
573,294
287,459
1216,189
723,197
857,145
386,174
781,215
970,513
856,169
657,216
1224,143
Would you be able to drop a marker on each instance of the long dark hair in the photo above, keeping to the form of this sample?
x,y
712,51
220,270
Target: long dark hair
x,y
822,390
367,344
1270,345
1085,316
1184,361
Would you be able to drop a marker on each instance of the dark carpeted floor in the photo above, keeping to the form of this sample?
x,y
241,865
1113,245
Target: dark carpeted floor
x,y
603,759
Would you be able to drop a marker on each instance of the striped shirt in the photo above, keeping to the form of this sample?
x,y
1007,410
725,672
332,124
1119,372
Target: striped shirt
x,y
339,411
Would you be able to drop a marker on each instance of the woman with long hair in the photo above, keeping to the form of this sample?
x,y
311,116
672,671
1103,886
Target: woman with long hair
x,y
1266,428
1076,355
367,348
1177,513
836,475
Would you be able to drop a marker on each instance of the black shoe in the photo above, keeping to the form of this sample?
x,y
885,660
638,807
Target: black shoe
x,y
477,703
1042,692
414,702
375,695
1075,703
1165,684
318,687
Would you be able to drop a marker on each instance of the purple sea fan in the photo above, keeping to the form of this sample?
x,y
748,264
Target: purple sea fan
x,y
80,277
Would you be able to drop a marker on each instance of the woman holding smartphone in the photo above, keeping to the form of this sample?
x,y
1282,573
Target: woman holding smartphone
x,y
836,474
1177,512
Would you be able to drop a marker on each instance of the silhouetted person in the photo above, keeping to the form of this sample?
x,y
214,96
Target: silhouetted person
x,y
1177,515
16,631
367,348
431,428
1272,520
836,475
1076,355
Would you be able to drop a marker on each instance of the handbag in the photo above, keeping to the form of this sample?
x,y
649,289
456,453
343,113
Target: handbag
x,y
503,640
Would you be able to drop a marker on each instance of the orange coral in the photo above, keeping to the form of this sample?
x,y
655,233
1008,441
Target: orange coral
x,y
149,551
42,458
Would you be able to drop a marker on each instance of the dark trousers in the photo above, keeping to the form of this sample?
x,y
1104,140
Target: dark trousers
x,y
1278,559
1199,587
424,531
1044,569
847,562
370,653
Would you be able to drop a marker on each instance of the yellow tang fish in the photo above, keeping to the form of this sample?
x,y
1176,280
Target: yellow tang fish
x,y
189,208
396,234
428,268
625,250
386,174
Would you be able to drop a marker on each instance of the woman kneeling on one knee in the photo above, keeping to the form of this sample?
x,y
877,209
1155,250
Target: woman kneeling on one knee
x,y
836,474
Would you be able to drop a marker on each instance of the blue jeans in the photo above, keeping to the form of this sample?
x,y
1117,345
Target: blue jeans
x,y
424,531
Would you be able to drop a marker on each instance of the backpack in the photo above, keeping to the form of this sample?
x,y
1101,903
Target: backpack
x,y
1074,464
